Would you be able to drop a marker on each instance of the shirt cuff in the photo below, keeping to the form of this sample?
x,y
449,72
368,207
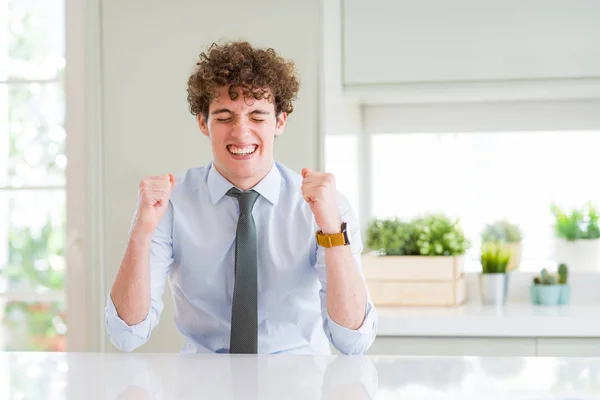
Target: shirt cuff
x,y
354,341
117,327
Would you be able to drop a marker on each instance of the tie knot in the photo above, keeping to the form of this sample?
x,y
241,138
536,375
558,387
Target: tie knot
x,y
246,199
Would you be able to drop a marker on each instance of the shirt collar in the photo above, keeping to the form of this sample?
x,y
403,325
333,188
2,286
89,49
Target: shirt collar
x,y
269,187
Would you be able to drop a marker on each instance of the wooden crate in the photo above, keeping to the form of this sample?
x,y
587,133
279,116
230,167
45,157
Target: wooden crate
x,y
414,268
417,293
415,280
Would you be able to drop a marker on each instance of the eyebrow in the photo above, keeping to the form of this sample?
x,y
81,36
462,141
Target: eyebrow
x,y
261,112
221,110
226,110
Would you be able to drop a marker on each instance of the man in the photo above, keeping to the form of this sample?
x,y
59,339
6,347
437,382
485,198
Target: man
x,y
260,259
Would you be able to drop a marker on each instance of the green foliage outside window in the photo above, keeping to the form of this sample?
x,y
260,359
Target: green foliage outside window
x,y
36,259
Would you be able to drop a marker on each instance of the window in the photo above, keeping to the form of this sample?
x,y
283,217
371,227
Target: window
x,y
480,177
32,175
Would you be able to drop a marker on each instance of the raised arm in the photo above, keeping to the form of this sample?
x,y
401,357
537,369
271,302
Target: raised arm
x,y
135,301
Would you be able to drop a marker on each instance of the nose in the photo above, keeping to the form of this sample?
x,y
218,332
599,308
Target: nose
x,y
240,130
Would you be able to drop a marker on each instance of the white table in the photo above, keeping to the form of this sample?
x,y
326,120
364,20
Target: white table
x,y
172,376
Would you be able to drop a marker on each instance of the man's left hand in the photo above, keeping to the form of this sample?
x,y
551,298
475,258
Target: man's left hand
x,y
318,189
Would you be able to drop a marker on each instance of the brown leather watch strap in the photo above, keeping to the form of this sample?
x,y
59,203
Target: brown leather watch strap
x,y
333,239
336,239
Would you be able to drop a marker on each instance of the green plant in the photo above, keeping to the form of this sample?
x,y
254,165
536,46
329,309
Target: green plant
x,y
547,278
593,227
578,224
428,235
495,257
501,231
394,237
439,235
563,273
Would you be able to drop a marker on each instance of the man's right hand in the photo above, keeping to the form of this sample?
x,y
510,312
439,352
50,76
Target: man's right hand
x,y
153,200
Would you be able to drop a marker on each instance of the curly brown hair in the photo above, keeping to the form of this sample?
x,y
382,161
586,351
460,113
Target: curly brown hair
x,y
259,73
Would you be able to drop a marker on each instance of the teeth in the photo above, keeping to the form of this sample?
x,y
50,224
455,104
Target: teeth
x,y
242,150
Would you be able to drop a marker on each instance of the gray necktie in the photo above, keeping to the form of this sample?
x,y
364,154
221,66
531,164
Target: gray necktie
x,y
244,313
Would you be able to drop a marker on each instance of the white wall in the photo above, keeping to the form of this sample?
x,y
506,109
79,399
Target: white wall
x,y
388,41
342,114
149,48
435,51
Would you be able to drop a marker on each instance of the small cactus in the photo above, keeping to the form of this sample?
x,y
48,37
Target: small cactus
x,y
562,274
545,278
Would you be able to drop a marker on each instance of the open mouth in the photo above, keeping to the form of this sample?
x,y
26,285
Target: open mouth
x,y
242,151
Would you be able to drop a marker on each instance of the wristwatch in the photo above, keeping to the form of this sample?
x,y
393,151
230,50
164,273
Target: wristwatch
x,y
333,239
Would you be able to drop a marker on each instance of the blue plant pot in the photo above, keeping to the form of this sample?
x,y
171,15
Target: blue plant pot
x,y
550,295
535,297
565,294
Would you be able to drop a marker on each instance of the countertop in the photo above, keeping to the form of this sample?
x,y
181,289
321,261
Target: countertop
x,y
172,376
511,320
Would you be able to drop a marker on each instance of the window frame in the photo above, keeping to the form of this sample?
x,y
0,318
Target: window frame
x,y
85,233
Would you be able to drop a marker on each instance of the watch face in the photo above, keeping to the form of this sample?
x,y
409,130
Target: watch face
x,y
345,232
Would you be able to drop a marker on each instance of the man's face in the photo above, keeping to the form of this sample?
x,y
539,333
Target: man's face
x,y
242,134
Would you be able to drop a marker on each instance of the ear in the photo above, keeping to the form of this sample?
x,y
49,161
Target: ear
x,y
202,124
281,121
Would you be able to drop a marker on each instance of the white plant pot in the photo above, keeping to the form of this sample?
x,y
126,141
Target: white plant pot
x,y
493,288
579,255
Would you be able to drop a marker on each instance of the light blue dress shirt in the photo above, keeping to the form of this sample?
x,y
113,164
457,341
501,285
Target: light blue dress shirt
x,y
194,247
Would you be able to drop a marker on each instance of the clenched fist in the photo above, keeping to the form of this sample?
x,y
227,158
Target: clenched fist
x,y
153,200
318,190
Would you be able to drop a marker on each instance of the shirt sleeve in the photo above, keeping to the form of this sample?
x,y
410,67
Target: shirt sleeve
x,y
130,337
347,341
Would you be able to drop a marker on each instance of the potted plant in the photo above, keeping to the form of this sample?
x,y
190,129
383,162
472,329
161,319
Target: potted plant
x,y
392,237
577,238
551,289
416,262
493,279
505,232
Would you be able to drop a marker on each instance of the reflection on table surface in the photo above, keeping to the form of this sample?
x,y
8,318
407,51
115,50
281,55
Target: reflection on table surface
x,y
174,376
